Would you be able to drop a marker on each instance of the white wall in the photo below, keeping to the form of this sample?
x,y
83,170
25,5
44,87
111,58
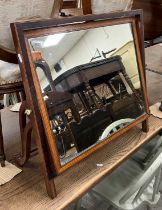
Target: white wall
x,y
103,39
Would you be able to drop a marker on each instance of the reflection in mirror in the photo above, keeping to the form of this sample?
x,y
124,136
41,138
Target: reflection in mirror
x,y
90,83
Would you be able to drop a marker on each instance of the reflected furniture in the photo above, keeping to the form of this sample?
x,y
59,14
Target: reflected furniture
x,y
8,87
84,78
57,103
99,113
91,74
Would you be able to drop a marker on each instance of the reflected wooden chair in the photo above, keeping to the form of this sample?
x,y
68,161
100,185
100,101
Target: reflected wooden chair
x,y
114,127
7,87
56,102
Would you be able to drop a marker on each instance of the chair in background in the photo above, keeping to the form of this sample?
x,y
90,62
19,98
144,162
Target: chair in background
x,y
11,12
7,87
152,12
53,10
145,154
130,187
84,7
71,8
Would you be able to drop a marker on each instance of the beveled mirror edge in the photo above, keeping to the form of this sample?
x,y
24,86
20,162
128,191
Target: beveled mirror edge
x,y
19,30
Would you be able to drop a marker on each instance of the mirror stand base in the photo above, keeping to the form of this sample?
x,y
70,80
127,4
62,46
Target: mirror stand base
x,y
160,107
50,186
145,126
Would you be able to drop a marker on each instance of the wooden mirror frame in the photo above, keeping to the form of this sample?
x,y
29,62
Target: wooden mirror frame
x,y
35,102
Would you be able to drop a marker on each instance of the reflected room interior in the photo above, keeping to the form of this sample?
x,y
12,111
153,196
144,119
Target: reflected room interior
x,y
91,85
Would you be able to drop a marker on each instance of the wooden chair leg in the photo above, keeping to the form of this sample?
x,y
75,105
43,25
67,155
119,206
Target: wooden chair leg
x,y
2,154
25,131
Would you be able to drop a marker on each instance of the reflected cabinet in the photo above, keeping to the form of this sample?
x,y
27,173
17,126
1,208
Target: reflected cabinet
x,y
84,82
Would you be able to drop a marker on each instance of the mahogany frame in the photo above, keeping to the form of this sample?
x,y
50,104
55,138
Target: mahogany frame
x,y
44,137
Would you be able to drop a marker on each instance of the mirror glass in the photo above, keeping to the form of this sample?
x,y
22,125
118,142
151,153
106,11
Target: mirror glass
x,y
90,83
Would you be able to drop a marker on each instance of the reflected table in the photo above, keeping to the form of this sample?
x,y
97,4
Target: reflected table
x,y
84,77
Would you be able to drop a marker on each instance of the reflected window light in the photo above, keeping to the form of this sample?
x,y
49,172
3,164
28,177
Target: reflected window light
x,y
53,40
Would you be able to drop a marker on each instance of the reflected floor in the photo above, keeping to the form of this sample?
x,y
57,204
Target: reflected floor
x,y
70,155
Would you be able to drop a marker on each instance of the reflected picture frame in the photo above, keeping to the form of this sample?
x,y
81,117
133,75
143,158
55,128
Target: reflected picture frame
x,y
22,31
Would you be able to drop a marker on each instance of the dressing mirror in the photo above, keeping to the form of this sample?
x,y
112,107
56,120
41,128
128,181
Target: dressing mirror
x,y
90,83
84,81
